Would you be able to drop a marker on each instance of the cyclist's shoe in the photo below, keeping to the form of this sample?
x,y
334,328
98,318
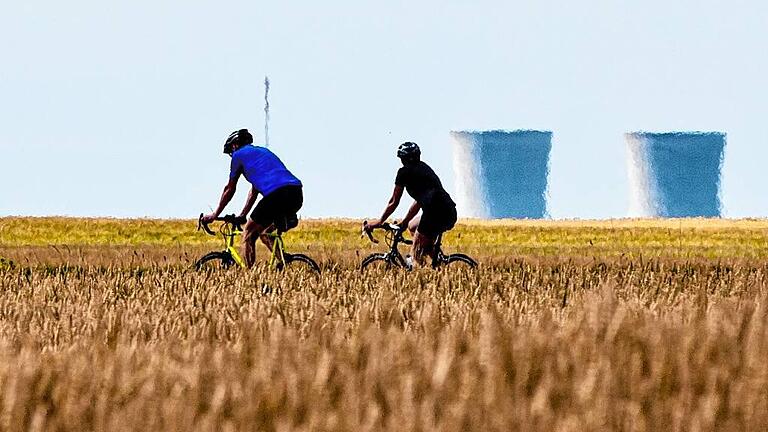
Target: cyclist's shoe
x,y
408,262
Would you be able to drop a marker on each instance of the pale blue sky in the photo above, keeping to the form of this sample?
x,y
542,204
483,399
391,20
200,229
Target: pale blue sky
x,y
120,108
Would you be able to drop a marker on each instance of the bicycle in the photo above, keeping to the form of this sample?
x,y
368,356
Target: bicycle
x,y
231,228
393,258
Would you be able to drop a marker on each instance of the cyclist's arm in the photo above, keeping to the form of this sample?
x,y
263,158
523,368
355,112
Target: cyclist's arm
x,y
226,196
394,201
412,212
250,201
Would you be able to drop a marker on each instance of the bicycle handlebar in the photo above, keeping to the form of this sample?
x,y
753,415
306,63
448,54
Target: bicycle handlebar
x,y
236,222
389,227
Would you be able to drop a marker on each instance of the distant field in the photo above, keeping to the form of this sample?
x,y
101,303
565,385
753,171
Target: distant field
x,y
566,325
685,238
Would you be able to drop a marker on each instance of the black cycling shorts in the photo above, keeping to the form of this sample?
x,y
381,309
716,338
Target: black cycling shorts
x,y
435,221
279,207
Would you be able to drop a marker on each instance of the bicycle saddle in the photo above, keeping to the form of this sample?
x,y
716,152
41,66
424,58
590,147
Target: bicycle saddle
x,y
285,223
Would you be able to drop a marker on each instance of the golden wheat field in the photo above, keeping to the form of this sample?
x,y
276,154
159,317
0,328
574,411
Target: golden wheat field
x,y
570,326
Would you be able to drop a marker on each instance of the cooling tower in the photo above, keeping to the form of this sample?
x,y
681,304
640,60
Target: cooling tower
x,y
501,174
675,174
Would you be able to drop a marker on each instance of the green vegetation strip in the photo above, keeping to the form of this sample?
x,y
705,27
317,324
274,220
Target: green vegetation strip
x,y
687,237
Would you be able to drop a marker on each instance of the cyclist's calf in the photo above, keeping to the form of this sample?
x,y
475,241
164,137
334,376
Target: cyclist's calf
x,y
413,226
422,246
251,232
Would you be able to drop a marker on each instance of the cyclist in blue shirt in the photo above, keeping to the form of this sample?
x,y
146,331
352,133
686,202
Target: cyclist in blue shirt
x,y
281,191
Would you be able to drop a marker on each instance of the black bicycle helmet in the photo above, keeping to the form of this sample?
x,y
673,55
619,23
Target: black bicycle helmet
x,y
409,151
237,138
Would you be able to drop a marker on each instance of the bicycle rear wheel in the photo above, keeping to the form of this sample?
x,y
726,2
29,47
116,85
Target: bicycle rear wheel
x,y
301,260
462,260
379,260
215,261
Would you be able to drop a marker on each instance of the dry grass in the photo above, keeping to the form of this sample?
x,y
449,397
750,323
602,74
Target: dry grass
x,y
649,329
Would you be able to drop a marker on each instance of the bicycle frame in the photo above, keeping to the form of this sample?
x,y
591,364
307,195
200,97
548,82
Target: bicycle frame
x,y
232,228
230,232
394,237
394,254
278,249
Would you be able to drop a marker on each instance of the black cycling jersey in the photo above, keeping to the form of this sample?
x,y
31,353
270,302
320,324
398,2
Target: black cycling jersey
x,y
423,185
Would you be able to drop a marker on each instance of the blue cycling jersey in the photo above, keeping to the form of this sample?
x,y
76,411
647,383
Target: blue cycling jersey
x,y
262,168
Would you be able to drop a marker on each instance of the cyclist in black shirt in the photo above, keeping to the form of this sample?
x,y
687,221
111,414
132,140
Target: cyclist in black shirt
x,y
422,184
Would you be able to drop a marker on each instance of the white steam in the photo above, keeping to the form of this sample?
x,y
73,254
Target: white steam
x,y
501,174
675,174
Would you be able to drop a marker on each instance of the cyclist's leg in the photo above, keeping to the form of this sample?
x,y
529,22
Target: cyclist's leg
x,y
425,234
267,239
274,210
290,204
434,222
251,232
422,245
261,222
414,225
449,221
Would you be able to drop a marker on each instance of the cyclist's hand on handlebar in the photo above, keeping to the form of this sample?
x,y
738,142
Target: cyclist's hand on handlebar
x,y
203,225
206,219
367,230
370,226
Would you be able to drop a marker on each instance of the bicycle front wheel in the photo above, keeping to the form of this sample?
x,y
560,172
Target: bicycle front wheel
x,y
378,260
462,260
301,260
215,261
